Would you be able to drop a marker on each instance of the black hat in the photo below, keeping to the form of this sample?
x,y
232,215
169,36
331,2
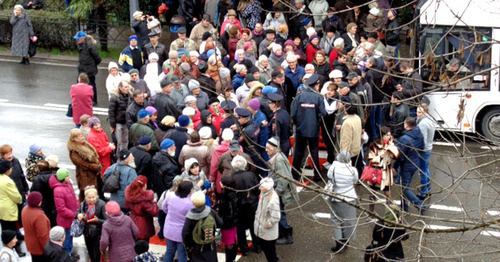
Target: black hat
x,y
175,79
7,236
241,112
202,66
153,33
4,166
165,82
205,36
124,154
352,75
270,31
181,30
213,100
275,97
234,145
229,105
312,80
141,246
373,35
249,78
343,84
276,73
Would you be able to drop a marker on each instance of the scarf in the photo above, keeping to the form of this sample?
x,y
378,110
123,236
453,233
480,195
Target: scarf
x,y
330,105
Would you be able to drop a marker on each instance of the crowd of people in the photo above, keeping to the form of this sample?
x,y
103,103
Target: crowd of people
x,y
203,131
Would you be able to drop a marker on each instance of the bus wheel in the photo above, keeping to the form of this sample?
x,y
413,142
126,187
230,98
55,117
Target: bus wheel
x,y
490,124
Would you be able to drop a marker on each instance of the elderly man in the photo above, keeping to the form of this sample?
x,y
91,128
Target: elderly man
x,y
134,107
165,167
53,250
189,44
139,84
131,56
88,59
141,128
200,95
345,90
117,115
140,26
143,158
127,172
200,28
164,103
350,137
154,46
294,71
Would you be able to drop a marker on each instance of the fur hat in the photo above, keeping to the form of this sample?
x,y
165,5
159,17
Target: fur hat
x,y
34,199
113,208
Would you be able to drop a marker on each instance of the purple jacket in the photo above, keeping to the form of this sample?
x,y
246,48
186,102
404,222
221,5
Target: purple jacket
x,y
119,234
65,201
176,209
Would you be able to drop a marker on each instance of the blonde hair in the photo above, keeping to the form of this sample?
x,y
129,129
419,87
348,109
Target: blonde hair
x,y
74,133
283,29
198,199
89,190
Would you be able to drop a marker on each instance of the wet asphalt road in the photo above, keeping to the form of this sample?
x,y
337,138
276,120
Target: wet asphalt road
x,y
458,195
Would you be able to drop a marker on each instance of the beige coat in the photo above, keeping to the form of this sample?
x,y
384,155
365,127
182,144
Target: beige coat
x,y
267,217
383,156
350,135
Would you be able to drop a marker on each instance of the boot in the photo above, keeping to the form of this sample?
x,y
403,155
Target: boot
x,y
287,237
23,61
27,61
18,249
340,247
231,253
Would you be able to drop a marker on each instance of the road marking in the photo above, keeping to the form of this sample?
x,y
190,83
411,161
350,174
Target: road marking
x,y
45,108
4,100
446,144
490,147
66,106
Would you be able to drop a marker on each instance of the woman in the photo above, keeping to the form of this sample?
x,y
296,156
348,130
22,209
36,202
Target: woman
x,y
84,156
22,30
276,57
312,48
113,79
320,64
246,37
291,47
382,155
9,197
282,34
66,204
34,156
36,226
344,176
99,140
193,174
17,175
9,241
274,19
142,205
92,213
176,207
338,45
241,72
232,42
81,98
351,38
249,52
265,70
329,91
267,218
47,169
119,234
228,212
195,149
207,121
252,13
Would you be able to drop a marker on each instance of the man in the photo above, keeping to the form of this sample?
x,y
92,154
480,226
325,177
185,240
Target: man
x,y
244,90
154,46
410,145
125,167
140,26
373,38
200,28
428,128
206,81
88,59
139,84
336,76
165,167
53,250
224,166
191,10
200,95
399,113
180,91
164,103
379,92
143,159
141,128
134,107
258,34
363,91
180,135
249,134
131,56
288,92
229,116
301,12
117,117
36,226
281,128
307,110
350,137
344,90
294,71
189,44
392,33
270,36
410,87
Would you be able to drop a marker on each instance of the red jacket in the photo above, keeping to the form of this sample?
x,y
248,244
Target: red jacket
x,y
310,52
81,99
196,119
142,208
231,47
36,229
218,119
99,140
66,202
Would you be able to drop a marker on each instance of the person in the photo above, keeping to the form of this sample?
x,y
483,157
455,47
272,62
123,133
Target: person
x,y
428,128
183,41
392,33
196,176
140,26
84,125
127,175
176,206
350,137
10,197
398,114
294,71
34,156
143,128
410,145
154,46
86,159
142,205
47,168
134,107
9,241
199,29
228,212
36,226
329,91
131,56
22,30
88,59
81,98
53,250
284,188
141,249
99,140
411,87
249,136
164,103
307,108
345,91
92,212
343,176
143,159
66,205
117,114
32,4
165,167
119,234
267,217
195,149
113,79
382,154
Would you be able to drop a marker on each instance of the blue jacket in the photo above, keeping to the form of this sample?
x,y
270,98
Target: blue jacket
x,y
127,176
307,109
264,133
125,60
410,145
297,76
237,81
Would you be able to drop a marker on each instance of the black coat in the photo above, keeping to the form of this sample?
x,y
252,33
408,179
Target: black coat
x,y
322,70
348,45
55,253
197,252
88,57
93,230
131,113
160,50
228,209
392,33
340,66
18,177
143,162
41,184
166,106
117,109
246,201
208,85
141,30
180,137
389,239
165,168
374,79
401,112
281,127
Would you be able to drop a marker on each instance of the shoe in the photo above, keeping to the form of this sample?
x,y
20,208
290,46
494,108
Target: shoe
x,y
285,240
23,61
75,257
421,209
340,247
257,249
27,61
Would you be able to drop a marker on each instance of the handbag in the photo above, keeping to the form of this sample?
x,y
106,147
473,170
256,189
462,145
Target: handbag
x,y
32,49
328,188
69,113
112,183
372,175
76,229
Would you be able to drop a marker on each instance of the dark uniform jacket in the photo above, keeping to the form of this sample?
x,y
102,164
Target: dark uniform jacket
x,y
281,127
308,107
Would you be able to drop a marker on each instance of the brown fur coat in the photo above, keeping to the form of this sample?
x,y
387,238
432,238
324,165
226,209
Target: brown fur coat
x,y
85,158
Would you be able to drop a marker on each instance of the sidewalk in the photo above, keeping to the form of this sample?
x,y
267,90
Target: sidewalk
x,y
48,57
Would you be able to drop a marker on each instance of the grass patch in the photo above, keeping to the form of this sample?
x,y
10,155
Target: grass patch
x,y
113,53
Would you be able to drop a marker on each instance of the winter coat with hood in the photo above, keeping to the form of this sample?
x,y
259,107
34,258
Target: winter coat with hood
x,y
99,140
409,145
65,201
198,151
88,57
93,230
119,234
85,158
165,168
117,107
127,176
284,188
41,184
142,210
37,227
112,81
207,252
205,114
275,22
319,8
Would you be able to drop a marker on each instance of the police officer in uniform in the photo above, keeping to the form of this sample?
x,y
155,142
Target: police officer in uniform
x,y
307,110
250,132
280,123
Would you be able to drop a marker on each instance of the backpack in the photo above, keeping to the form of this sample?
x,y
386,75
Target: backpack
x,y
204,231
112,183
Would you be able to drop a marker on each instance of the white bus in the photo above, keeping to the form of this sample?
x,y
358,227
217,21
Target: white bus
x,y
468,30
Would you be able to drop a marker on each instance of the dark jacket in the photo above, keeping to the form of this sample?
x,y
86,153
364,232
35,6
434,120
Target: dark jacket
x,y
340,66
180,137
139,130
412,87
205,114
41,184
142,208
208,85
166,106
348,44
281,127
245,180
389,239
165,168
117,109
336,22
18,177
190,9
410,145
131,113
228,209
141,30
374,79
143,162
56,253
392,33
199,252
401,112
88,57
92,230
307,109
160,50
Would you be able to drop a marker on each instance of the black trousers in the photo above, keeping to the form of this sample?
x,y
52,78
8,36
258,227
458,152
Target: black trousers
x,y
245,221
92,244
269,248
10,225
37,258
357,162
300,151
94,87
328,136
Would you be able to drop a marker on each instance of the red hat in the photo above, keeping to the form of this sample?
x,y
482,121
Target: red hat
x,y
247,45
34,199
113,208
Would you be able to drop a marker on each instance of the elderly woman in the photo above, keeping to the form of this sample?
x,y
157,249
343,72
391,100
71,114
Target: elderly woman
x,y
142,205
9,197
22,30
276,57
195,149
267,218
92,212
86,159
246,37
263,65
17,175
99,140
113,79
343,176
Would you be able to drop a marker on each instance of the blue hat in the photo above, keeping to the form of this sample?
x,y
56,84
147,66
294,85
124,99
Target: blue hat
x,y
229,105
167,143
306,21
210,53
133,37
243,112
312,80
269,90
183,121
144,140
275,97
79,35
301,87
35,148
143,113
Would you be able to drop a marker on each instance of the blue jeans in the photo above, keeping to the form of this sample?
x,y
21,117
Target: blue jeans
x,y
68,242
375,121
172,247
408,195
425,175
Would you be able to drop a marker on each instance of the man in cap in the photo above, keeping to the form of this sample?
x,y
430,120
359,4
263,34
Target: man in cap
x,y
140,26
88,59
53,250
117,115
224,167
280,126
126,167
165,167
200,28
206,81
189,44
278,81
36,226
249,135
200,95
143,158
180,91
344,90
131,56
230,118
307,110
34,156
270,36
141,128
134,107
154,46
180,135
139,84
164,103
